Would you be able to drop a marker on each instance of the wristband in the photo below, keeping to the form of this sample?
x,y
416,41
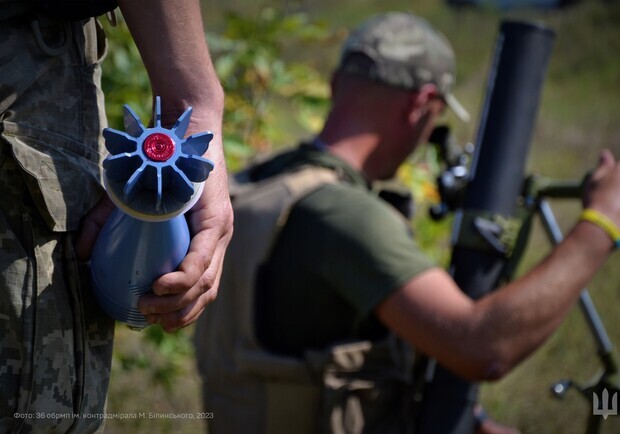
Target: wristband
x,y
603,222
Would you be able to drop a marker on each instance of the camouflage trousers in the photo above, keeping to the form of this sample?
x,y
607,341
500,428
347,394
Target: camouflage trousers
x,y
55,342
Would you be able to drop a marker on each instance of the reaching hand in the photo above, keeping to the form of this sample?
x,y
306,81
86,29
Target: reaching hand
x,y
603,189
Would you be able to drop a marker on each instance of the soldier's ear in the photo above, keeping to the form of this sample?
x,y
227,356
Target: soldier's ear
x,y
419,101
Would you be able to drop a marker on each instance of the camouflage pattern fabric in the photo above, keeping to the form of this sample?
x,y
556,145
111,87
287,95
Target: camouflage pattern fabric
x,y
51,113
56,344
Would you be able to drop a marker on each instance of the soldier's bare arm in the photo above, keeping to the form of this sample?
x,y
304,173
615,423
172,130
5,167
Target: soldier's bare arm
x,y
483,340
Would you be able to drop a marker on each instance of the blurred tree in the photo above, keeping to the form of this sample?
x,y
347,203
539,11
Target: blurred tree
x,y
262,83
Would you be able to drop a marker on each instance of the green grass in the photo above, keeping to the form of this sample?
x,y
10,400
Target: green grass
x,y
579,114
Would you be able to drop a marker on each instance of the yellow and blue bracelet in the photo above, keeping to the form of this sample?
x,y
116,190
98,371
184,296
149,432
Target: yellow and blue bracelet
x,y
603,222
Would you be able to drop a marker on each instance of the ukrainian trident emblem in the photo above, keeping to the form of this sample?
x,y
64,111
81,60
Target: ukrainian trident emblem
x,y
604,409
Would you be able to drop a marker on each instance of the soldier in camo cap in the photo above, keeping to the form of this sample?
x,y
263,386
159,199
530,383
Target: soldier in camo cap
x,y
405,51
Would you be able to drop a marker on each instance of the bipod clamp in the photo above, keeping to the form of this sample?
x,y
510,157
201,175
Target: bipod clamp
x,y
485,231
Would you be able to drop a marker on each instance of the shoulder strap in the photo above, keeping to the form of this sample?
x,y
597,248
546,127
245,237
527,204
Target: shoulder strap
x,y
273,198
299,185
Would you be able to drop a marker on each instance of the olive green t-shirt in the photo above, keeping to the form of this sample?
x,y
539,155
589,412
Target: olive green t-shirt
x,y
342,251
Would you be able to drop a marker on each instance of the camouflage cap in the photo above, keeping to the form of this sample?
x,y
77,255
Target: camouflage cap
x,y
404,51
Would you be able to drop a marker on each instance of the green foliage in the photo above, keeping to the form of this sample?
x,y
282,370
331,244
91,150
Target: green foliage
x,y
260,85
163,356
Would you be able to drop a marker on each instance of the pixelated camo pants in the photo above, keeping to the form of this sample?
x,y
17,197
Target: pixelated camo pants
x,y
55,343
